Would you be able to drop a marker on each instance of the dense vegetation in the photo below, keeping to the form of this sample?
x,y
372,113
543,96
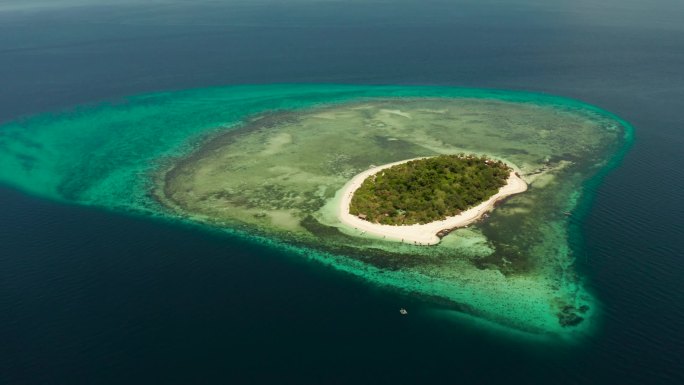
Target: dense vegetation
x,y
427,190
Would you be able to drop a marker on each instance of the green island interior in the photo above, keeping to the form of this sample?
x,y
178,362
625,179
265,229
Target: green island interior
x,y
429,189
267,163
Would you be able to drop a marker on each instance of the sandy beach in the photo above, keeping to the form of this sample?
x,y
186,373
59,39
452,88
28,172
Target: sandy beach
x,y
425,234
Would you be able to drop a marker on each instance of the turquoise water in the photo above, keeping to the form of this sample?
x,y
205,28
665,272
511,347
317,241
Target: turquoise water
x,y
107,155
98,296
96,155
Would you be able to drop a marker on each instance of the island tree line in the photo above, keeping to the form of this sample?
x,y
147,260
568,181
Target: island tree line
x,y
430,189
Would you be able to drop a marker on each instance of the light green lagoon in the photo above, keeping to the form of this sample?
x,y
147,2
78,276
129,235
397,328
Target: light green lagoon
x,y
265,162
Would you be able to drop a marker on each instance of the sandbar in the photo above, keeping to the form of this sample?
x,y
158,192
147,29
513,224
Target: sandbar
x,y
419,234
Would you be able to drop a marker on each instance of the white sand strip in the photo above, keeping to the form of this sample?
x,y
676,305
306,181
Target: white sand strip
x,y
419,234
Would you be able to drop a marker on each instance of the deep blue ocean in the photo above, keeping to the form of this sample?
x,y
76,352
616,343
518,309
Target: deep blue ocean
x,y
95,297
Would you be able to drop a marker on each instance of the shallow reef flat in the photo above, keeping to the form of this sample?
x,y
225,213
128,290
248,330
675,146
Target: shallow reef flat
x,y
269,162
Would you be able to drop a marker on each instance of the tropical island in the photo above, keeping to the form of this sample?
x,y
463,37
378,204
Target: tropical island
x,y
290,174
274,165
421,200
429,189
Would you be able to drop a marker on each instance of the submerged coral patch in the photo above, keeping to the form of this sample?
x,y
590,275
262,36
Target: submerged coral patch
x,y
270,161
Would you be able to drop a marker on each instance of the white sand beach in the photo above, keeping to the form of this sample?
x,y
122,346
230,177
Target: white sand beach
x,y
425,234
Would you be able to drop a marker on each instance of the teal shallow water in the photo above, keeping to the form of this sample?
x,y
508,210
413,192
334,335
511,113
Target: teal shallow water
x,y
96,154
106,155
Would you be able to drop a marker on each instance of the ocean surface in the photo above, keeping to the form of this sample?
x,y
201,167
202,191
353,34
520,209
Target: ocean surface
x,y
96,297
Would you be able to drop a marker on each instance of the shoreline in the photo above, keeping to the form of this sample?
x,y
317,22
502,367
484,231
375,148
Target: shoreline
x,y
425,234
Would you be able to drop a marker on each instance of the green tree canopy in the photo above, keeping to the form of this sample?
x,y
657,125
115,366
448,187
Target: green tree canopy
x,y
428,190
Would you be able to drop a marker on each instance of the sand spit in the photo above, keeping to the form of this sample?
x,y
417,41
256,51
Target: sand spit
x,y
425,234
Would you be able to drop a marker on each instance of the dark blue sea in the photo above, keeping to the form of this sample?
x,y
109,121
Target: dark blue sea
x,y
94,297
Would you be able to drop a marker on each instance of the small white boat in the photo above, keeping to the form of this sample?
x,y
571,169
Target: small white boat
x,y
403,311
